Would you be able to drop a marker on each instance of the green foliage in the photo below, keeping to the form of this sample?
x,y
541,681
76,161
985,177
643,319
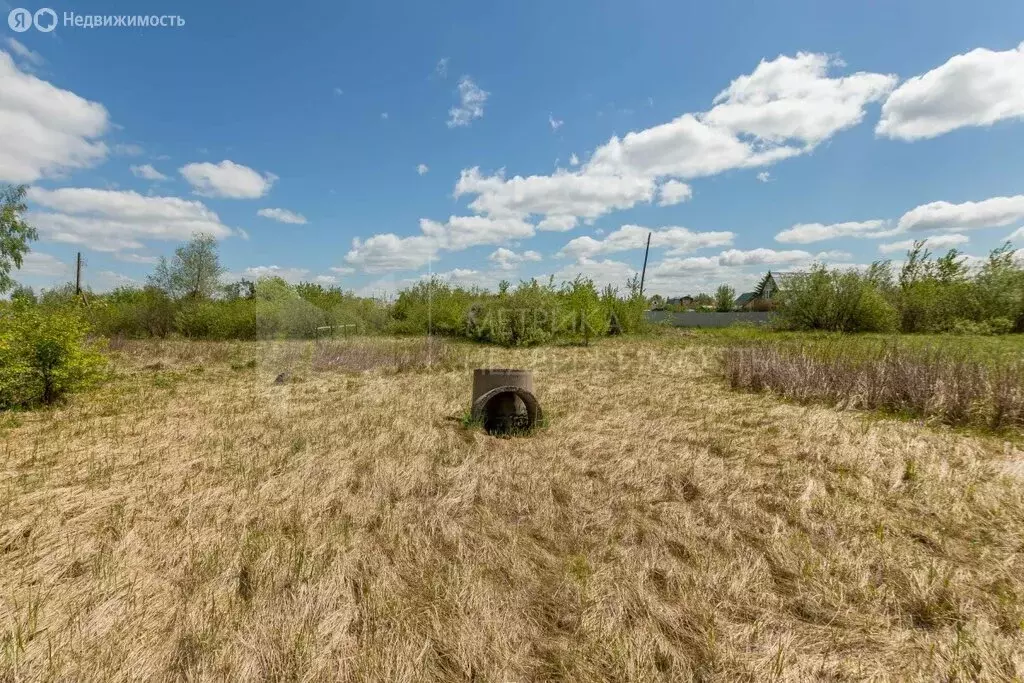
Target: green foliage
x,y
929,295
834,300
725,298
44,355
15,233
193,273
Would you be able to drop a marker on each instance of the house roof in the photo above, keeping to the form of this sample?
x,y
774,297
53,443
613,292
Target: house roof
x,y
745,298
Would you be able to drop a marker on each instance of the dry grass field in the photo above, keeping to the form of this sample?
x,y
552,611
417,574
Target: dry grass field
x,y
194,520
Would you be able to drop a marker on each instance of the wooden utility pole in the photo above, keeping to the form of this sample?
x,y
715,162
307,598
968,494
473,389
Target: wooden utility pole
x,y
643,273
78,274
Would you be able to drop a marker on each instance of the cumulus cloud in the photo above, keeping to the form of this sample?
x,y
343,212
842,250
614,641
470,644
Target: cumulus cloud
x,y
994,212
471,104
109,220
978,88
554,123
387,252
422,169
462,232
147,172
562,194
574,160
1017,234
45,131
283,216
758,257
506,259
805,233
42,265
677,240
932,242
292,275
558,223
673,192
786,107
227,180
795,99
764,176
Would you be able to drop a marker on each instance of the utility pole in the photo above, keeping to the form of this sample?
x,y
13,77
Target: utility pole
x,y
643,274
78,274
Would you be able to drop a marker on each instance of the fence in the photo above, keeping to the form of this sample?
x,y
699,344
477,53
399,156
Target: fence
x,y
708,319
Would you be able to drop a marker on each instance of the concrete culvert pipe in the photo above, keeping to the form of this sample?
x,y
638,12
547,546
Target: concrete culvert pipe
x,y
503,400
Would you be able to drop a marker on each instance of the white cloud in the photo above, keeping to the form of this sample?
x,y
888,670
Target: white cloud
x,y
574,160
45,131
604,272
44,265
462,232
673,192
974,89
562,194
147,172
108,220
1017,234
554,123
506,259
384,115
784,108
387,252
422,169
933,242
793,98
558,223
19,50
764,176
292,275
227,179
676,239
326,279
805,233
471,104
283,216
757,257
108,279
342,270
135,258
995,212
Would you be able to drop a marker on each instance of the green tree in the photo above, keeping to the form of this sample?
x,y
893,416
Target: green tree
x,y
15,233
193,273
725,298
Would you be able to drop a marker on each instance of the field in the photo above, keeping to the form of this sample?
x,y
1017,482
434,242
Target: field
x,y
194,519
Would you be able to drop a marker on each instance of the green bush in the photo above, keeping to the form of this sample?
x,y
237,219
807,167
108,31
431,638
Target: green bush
x,y
837,301
44,355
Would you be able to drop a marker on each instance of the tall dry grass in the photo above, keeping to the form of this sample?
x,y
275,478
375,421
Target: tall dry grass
x,y
194,521
956,389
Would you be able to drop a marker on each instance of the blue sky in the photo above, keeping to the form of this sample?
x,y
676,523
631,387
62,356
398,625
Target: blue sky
x,y
873,124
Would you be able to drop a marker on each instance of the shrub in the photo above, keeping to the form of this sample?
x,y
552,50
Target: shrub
x,y
838,301
44,355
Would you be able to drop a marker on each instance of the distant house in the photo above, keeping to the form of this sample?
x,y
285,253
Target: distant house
x,y
773,283
682,301
743,300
